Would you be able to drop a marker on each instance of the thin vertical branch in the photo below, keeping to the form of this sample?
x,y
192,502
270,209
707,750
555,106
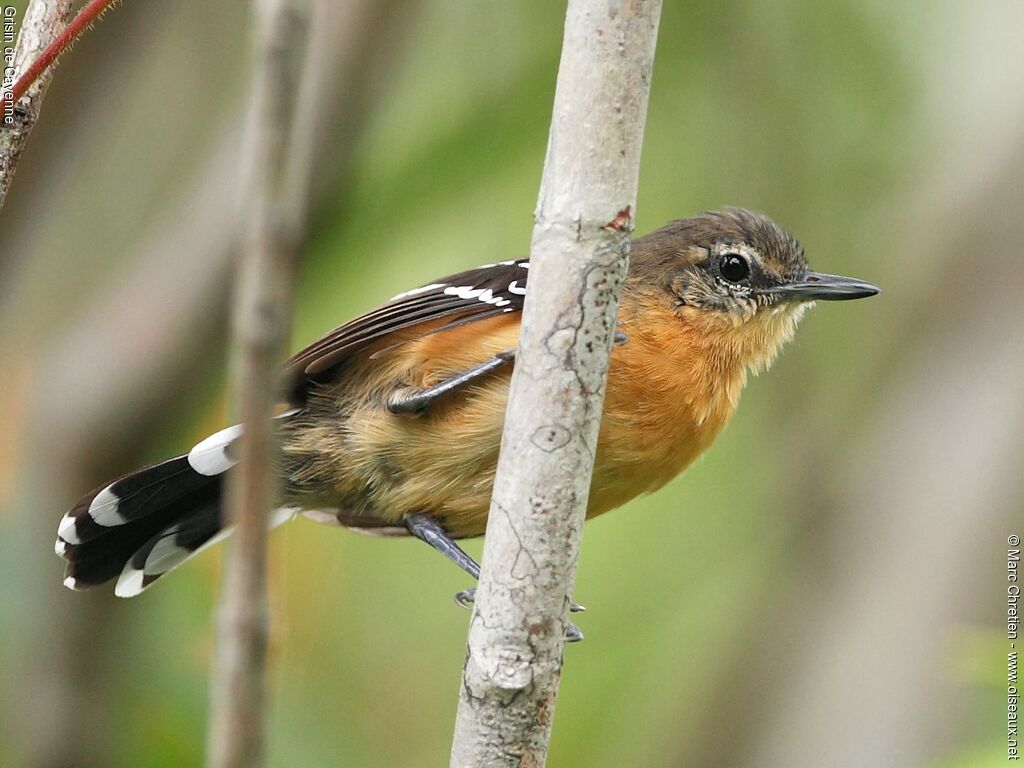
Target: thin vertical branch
x,y
43,23
261,326
579,257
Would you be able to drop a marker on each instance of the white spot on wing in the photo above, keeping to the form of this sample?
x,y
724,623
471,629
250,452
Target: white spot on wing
x,y
464,292
60,547
515,288
418,291
66,530
210,456
104,509
70,582
486,295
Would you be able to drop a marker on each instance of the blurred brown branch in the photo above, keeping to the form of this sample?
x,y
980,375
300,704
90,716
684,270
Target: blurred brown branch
x,y
260,332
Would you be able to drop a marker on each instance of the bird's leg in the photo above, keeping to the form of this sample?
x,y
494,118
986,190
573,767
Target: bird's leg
x,y
427,529
418,400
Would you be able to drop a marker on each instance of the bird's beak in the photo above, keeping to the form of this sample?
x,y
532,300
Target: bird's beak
x,y
817,286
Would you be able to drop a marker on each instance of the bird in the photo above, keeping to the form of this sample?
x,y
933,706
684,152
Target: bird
x,y
391,423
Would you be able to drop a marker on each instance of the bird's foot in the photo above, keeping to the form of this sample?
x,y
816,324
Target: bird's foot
x,y
466,597
573,634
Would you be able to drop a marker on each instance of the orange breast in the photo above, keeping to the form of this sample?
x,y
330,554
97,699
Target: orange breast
x,y
667,399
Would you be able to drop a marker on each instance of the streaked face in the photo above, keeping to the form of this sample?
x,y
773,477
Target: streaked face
x,y
734,280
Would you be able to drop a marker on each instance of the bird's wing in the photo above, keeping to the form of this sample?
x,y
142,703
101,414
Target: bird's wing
x,y
487,291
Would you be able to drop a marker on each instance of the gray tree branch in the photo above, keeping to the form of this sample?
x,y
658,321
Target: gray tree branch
x,y
579,256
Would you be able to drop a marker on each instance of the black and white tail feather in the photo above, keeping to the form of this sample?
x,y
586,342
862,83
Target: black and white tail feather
x,y
149,522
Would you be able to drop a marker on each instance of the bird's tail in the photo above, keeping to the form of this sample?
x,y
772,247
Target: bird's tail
x,y
149,522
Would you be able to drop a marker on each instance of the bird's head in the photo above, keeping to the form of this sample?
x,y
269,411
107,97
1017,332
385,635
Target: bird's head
x,y
740,279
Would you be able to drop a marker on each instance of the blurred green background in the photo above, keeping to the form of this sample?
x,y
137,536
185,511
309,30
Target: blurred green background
x,y
825,587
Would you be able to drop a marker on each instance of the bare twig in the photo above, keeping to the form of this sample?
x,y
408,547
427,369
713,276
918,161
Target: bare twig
x,y
92,11
260,330
579,258
43,23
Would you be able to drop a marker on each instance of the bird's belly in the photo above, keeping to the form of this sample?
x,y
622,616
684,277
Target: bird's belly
x,y
444,462
647,438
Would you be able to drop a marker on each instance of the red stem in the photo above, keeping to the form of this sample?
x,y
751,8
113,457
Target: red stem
x,y
85,17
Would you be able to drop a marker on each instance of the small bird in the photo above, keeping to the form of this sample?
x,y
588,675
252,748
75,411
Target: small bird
x,y
394,420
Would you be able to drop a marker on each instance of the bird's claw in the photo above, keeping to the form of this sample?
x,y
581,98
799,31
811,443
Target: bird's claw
x,y
466,597
573,634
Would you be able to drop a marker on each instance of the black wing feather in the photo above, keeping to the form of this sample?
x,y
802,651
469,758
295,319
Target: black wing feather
x,y
470,296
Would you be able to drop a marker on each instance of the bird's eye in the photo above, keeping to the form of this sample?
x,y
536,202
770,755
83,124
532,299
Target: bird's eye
x,y
734,267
